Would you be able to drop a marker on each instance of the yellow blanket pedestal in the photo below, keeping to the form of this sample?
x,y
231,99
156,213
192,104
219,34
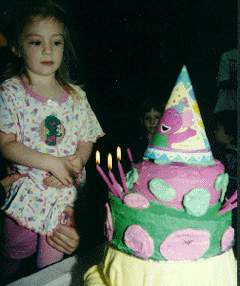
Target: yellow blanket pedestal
x,y
120,269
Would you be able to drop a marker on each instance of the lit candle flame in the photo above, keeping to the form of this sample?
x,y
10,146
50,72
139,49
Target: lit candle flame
x,y
109,159
118,153
97,157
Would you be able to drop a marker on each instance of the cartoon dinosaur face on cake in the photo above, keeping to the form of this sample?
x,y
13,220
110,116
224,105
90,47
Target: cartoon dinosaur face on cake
x,y
170,122
169,130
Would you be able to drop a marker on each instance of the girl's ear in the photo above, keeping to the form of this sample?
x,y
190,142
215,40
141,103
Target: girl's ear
x,y
16,52
13,49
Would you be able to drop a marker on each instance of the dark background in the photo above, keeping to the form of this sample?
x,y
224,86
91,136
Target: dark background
x,y
130,50
134,49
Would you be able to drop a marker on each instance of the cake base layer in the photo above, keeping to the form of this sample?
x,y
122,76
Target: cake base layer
x,y
120,269
161,233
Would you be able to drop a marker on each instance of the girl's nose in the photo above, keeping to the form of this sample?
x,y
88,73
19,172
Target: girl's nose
x,y
154,122
47,49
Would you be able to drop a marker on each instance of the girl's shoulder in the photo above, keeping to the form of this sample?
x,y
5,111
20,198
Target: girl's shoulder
x,y
11,86
78,94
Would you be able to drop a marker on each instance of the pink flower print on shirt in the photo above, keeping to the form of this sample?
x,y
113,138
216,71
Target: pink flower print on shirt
x,y
187,244
19,114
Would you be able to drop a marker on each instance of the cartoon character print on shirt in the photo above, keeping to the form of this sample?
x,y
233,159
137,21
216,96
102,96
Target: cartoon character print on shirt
x,y
170,124
52,130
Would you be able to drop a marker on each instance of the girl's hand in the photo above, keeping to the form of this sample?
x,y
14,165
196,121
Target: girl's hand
x,y
76,164
64,170
65,237
61,168
10,179
53,182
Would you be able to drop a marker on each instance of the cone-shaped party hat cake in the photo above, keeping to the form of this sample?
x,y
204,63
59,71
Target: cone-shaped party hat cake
x,y
173,208
180,136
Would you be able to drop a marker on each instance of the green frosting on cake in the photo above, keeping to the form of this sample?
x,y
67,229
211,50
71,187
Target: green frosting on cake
x,y
131,178
221,184
196,202
160,221
162,190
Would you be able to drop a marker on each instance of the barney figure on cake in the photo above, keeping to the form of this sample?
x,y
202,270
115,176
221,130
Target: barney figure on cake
x,y
171,123
172,226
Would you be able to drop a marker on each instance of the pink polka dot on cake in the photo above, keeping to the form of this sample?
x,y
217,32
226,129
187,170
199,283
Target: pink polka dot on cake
x,y
108,223
138,240
186,244
136,200
227,239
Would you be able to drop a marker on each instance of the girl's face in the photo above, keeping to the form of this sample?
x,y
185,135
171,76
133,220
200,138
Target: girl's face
x,y
150,120
220,135
43,45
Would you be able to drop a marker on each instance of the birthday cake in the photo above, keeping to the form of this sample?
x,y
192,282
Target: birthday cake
x,y
173,215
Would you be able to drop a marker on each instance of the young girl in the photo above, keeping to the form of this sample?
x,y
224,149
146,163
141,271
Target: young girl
x,y
151,112
47,130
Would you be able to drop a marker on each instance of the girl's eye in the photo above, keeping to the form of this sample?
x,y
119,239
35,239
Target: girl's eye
x,y
35,43
58,43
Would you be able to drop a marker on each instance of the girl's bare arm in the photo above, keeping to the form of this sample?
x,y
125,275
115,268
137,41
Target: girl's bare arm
x,y
19,153
77,161
84,150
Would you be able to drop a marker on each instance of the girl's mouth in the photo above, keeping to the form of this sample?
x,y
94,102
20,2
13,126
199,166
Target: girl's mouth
x,y
48,63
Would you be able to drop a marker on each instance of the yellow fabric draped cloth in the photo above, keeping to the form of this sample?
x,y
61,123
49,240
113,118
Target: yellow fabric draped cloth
x,y
120,269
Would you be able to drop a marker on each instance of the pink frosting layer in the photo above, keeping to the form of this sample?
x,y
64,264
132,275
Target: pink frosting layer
x,y
183,178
